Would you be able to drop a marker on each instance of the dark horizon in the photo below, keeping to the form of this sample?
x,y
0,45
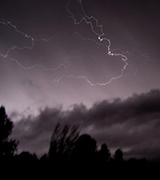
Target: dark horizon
x,y
70,154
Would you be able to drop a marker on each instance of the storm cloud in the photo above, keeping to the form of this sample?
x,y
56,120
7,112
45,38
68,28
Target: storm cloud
x,y
132,124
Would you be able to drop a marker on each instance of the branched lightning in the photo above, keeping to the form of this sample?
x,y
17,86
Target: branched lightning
x,y
88,20
16,47
96,29
6,55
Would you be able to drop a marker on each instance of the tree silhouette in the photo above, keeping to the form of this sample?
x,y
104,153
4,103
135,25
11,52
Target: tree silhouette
x,y
118,156
44,159
7,147
85,149
62,143
26,157
104,154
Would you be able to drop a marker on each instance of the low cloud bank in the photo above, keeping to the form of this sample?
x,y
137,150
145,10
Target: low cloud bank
x,y
132,124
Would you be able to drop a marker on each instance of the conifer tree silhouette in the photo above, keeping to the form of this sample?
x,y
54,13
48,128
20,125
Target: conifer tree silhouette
x,y
7,147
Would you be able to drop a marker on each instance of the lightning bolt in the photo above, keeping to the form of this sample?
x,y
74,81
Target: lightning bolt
x,y
6,55
106,43
16,47
96,29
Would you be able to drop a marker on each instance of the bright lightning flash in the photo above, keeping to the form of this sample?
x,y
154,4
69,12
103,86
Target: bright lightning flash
x,y
95,28
88,20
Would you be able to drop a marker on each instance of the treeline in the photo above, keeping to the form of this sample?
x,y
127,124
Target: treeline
x,y
69,153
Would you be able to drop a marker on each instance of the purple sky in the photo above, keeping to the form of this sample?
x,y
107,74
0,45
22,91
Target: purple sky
x,y
57,55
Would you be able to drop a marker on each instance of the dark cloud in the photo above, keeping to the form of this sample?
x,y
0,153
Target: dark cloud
x,y
132,124
34,132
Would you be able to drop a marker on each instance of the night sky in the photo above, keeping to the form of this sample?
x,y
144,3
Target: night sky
x,y
89,62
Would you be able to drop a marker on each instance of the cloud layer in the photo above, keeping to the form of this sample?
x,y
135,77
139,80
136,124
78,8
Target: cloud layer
x,y
132,124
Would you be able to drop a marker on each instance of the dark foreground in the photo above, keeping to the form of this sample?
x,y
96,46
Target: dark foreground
x,y
139,169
